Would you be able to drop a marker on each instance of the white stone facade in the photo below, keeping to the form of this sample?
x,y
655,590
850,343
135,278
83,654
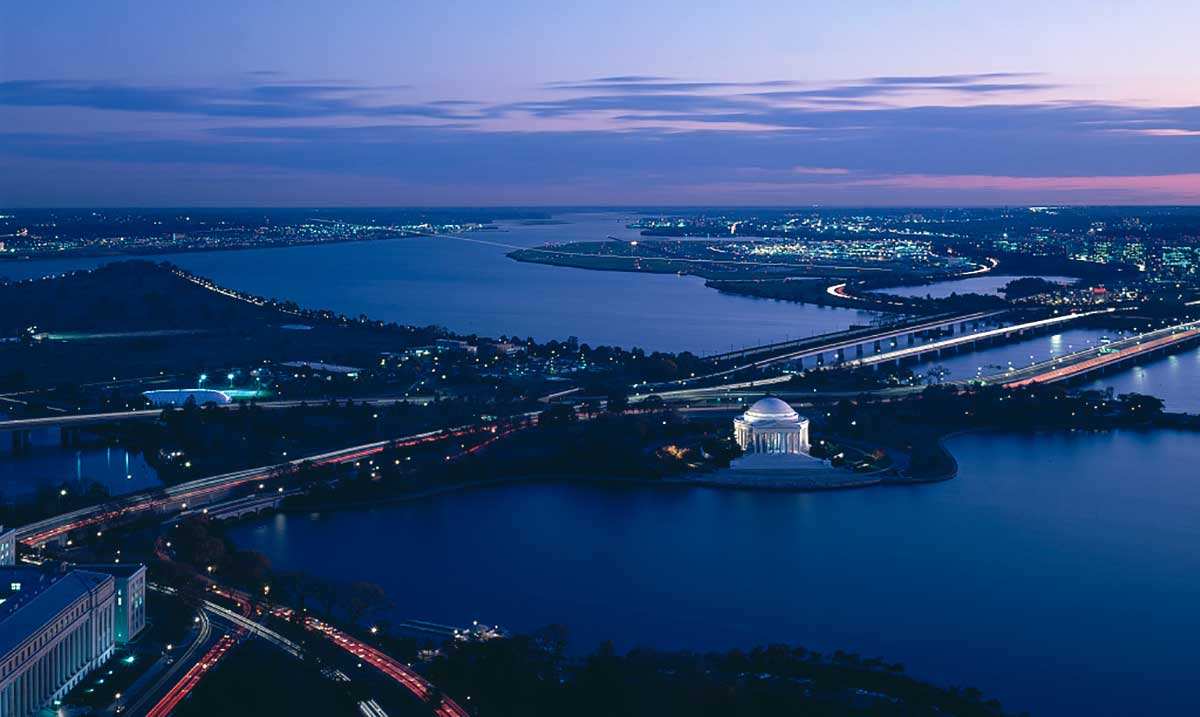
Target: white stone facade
x,y
772,426
68,632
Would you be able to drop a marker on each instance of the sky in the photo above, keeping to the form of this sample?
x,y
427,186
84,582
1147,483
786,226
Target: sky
x,y
779,102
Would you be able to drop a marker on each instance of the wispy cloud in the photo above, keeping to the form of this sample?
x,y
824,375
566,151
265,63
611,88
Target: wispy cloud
x,y
261,101
994,137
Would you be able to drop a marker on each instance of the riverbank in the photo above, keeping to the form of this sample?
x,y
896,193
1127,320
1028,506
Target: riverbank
x,y
171,249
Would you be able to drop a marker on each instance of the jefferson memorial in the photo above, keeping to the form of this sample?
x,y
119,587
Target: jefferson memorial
x,y
775,454
775,444
771,426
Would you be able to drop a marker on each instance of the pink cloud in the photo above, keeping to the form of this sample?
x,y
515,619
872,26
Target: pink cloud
x,y
1174,187
820,170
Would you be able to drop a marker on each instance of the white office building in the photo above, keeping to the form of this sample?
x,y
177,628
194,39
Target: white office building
x,y
55,628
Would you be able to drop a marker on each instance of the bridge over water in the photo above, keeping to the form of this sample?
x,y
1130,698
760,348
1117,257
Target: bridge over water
x,y
1102,358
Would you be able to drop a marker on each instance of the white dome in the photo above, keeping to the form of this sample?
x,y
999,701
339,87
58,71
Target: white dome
x,y
770,409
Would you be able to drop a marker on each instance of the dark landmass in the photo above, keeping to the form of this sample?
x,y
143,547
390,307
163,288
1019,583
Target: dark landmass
x,y
56,233
917,425
1028,286
532,675
118,296
649,446
817,293
138,318
721,259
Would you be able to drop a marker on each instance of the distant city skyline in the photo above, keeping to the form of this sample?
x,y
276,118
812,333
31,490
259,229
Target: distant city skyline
x,y
525,103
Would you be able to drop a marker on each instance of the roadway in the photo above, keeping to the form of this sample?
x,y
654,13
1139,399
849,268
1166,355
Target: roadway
x,y
399,673
71,420
186,662
177,498
974,337
831,344
402,674
774,382
192,677
1081,363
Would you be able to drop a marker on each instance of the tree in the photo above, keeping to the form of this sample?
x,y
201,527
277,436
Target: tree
x,y
618,401
557,414
364,598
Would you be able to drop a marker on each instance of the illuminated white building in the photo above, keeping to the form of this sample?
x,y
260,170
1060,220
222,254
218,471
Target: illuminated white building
x,y
54,629
772,426
8,546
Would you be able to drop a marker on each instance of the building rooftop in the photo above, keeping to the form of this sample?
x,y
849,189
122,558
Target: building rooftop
x,y
770,410
32,597
120,570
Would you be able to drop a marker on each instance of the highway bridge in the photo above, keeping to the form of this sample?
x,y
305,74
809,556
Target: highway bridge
x,y
965,338
216,488
1003,333
1102,358
851,338
835,348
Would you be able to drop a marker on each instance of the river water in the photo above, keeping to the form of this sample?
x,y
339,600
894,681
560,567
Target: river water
x,y
470,286
1057,573
48,465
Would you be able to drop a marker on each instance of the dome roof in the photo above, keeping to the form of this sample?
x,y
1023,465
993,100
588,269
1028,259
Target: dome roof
x,y
770,409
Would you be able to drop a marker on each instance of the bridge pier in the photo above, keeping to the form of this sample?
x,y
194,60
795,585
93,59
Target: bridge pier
x,y
858,351
840,357
68,437
878,348
22,441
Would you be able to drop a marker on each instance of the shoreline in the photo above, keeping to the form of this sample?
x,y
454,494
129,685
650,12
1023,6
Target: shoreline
x,y
698,480
70,255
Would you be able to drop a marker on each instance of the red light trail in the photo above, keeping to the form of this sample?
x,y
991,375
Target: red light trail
x,y
401,673
191,678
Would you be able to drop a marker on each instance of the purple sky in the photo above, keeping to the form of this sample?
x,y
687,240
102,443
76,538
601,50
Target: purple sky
x,y
519,102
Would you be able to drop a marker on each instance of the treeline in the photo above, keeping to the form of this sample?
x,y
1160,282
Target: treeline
x,y
195,442
533,675
197,549
917,424
607,446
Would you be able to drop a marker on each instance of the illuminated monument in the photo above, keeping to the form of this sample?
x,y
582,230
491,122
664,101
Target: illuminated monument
x,y
775,444
771,426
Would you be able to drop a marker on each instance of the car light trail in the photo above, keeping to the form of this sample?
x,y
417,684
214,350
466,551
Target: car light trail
x,y
968,338
401,673
38,533
1065,372
192,677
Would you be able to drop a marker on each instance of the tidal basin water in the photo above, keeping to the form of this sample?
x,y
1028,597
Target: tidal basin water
x,y
1057,573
